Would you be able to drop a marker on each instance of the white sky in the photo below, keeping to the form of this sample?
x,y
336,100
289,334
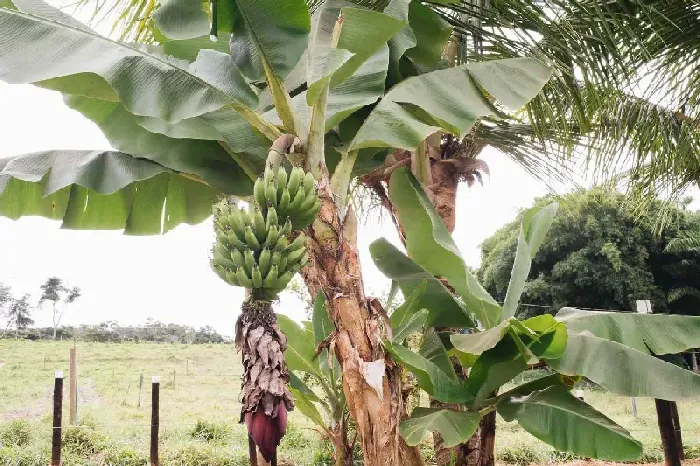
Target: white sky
x,y
168,277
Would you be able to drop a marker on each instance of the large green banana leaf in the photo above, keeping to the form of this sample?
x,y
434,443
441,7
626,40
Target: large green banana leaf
x,y
268,34
429,376
206,159
182,19
558,418
533,229
444,310
300,354
599,341
624,370
101,190
454,426
35,49
431,246
655,333
449,100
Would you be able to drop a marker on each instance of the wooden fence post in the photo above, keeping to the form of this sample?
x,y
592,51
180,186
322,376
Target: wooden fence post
x,y
694,359
57,419
73,387
155,421
669,427
669,440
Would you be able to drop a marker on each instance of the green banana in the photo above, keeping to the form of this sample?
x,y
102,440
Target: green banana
x,y
295,179
281,243
283,280
281,182
299,242
276,258
249,261
257,278
243,279
234,240
271,218
271,194
308,203
260,227
293,208
237,257
295,256
283,262
272,235
268,175
238,220
284,200
222,259
259,193
271,277
264,261
220,271
250,239
309,183
232,279
287,228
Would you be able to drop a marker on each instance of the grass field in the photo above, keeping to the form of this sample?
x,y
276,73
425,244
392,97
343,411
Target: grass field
x,y
200,384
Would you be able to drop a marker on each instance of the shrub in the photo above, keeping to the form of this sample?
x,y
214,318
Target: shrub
x,y
125,457
21,456
17,433
519,455
197,456
210,432
563,457
83,441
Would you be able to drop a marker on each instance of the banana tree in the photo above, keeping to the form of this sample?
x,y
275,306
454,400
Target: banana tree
x,y
193,119
615,350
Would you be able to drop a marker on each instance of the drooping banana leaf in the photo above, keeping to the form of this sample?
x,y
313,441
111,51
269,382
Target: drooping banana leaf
x,y
558,418
35,49
454,426
101,190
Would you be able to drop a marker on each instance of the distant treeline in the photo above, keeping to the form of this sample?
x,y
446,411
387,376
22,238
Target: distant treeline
x,y
112,332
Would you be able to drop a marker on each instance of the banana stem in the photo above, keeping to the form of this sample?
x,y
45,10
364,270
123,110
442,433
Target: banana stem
x,y
340,181
316,158
420,164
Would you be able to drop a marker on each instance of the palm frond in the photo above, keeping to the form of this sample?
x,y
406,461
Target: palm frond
x,y
625,84
677,293
683,244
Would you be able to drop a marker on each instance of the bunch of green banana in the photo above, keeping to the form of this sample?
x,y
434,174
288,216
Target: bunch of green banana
x,y
261,249
292,196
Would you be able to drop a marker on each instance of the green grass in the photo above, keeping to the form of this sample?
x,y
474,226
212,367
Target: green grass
x,y
199,411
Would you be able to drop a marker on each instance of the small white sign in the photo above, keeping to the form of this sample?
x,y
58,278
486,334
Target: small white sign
x,y
59,374
643,306
156,379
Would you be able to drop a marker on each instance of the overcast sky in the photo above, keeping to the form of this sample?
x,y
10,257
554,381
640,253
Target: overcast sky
x,y
168,277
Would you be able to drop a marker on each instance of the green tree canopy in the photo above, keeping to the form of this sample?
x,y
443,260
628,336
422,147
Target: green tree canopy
x,y
598,254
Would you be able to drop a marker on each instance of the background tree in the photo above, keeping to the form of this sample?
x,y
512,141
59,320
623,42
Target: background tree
x,y
60,296
599,254
19,314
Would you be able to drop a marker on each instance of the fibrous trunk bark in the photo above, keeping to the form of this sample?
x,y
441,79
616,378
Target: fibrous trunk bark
x,y
341,445
372,384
